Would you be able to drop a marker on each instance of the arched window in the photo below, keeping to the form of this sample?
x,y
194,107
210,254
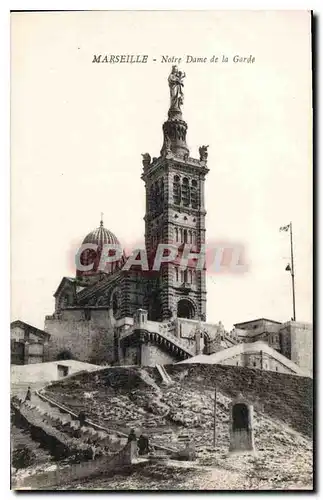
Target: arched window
x,y
190,236
181,235
152,198
159,193
176,190
176,234
176,273
162,190
190,276
194,194
185,192
185,235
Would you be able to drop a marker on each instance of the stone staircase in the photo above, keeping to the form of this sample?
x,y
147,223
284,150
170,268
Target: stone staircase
x,y
64,428
157,333
176,341
60,421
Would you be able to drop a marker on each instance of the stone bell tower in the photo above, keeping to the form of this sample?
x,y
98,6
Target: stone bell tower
x,y
175,214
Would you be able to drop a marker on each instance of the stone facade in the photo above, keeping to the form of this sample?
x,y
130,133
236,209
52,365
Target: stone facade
x,y
258,360
294,340
297,343
255,355
259,329
28,344
85,337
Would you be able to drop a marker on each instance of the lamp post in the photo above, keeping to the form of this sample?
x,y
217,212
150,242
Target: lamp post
x,y
290,267
292,270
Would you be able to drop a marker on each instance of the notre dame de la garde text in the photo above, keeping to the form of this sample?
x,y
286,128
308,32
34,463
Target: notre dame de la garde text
x,y
128,317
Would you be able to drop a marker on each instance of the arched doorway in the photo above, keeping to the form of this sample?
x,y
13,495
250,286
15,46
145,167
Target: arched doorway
x,y
185,309
240,416
241,428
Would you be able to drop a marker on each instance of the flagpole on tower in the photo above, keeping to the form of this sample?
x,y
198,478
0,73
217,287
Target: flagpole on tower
x,y
292,270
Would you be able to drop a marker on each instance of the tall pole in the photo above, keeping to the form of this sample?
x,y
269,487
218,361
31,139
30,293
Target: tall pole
x,y
214,422
292,270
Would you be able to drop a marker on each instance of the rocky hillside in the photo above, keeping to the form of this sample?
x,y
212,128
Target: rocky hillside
x,y
283,397
122,398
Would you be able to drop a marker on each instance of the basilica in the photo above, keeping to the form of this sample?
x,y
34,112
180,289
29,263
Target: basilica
x,y
123,316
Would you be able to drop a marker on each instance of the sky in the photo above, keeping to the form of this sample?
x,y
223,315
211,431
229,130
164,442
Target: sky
x,y
78,130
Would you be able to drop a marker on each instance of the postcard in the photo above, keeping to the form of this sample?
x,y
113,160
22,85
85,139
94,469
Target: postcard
x,y
161,248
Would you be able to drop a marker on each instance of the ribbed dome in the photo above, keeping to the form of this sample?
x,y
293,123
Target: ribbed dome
x,y
101,236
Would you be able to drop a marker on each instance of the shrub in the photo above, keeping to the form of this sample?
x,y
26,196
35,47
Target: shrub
x,y
22,457
188,454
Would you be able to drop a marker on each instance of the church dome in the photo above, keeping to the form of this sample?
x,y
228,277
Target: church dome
x,y
100,237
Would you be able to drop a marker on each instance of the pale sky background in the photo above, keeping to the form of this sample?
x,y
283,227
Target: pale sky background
x,y
78,131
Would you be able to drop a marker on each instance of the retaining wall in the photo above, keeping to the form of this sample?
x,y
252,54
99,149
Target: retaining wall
x,y
61,476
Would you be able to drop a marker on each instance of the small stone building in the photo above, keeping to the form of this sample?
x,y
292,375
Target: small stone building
x,y
293,339
28,344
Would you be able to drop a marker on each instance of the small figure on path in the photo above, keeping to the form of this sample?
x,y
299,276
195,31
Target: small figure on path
x,y
82,418
28,395
132,436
